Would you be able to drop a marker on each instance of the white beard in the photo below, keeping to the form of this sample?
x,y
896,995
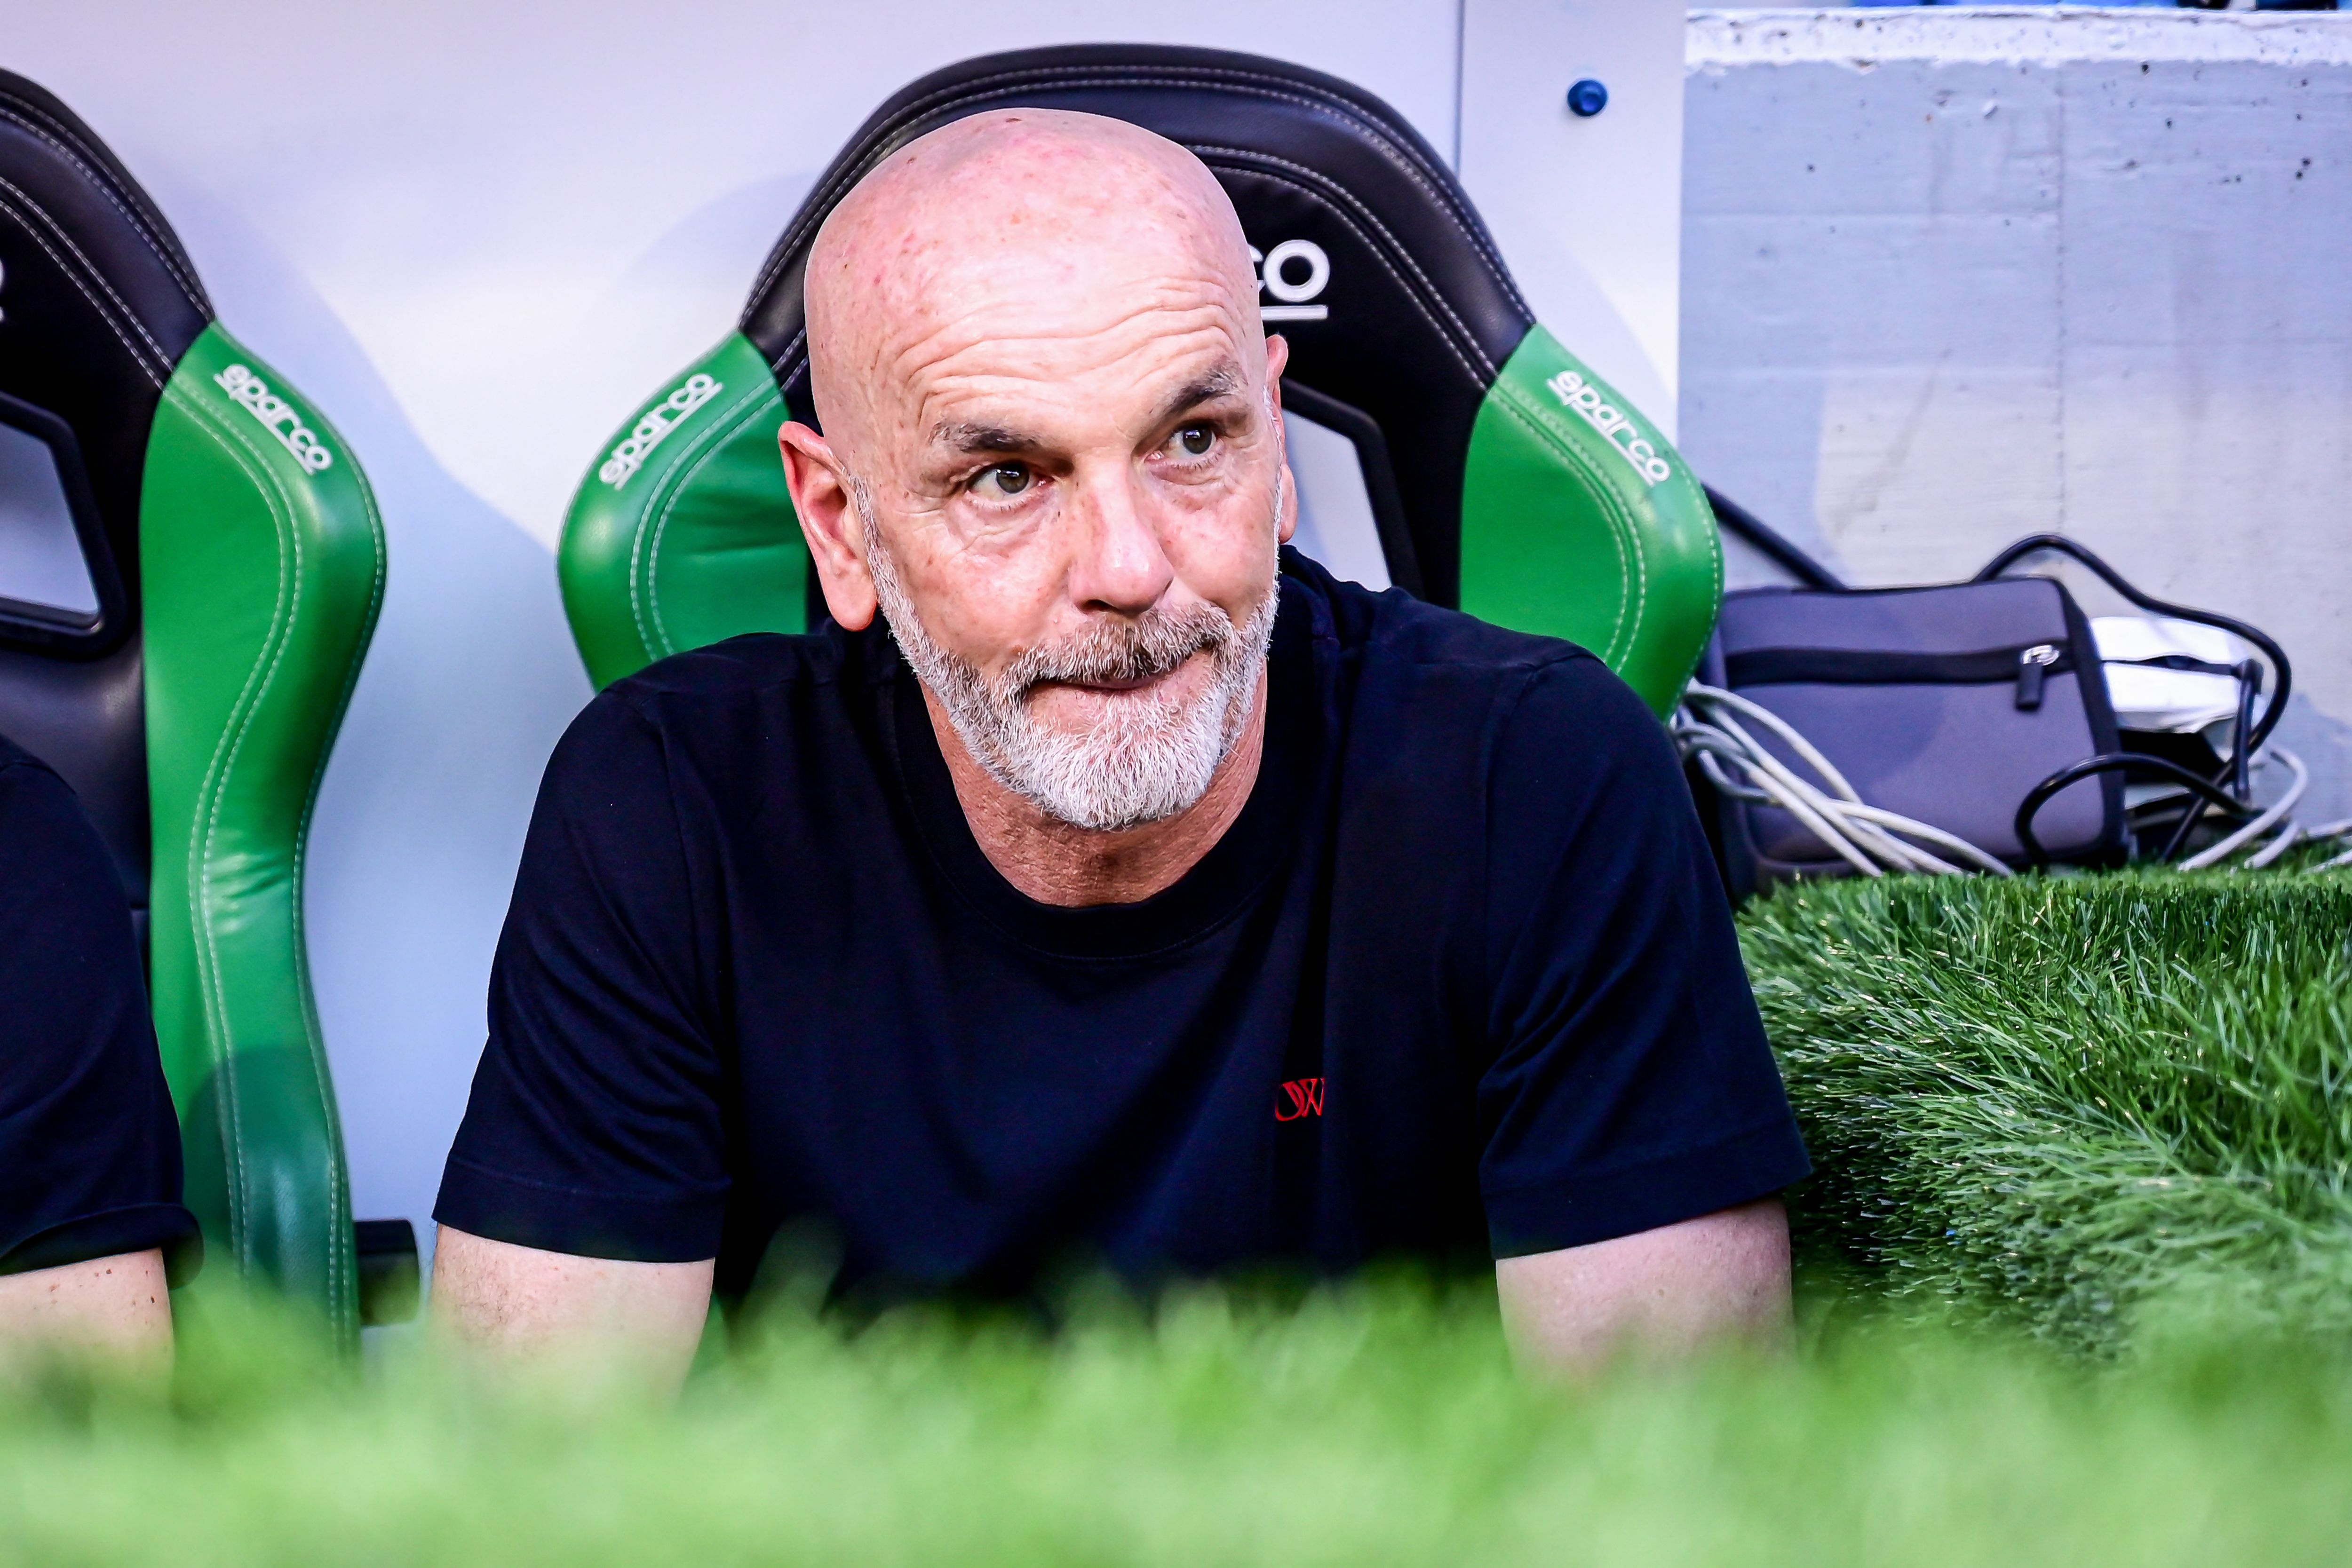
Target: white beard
x,y
1149,757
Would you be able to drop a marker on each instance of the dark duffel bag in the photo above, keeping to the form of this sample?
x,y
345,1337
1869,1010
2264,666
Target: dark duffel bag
x,y
1944,705
1972,718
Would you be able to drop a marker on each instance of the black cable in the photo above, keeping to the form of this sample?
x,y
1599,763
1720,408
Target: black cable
x,y
2272,712
2040,795
1734,518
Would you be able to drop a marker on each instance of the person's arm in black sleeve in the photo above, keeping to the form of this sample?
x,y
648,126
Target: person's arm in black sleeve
x,y
582,1200
91,1203
1636,1131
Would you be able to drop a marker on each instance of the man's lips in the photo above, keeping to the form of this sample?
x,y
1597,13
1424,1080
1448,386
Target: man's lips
x,y
1139,683
1114,688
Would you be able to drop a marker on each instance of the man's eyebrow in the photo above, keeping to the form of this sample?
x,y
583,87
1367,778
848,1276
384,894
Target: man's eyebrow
x,y
976,439
1225,381
964,437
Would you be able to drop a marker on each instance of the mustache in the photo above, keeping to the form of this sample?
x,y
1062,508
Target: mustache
x,y
1155,643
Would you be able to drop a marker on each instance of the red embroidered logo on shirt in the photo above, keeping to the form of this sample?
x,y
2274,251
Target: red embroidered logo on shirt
x,y
1300,1097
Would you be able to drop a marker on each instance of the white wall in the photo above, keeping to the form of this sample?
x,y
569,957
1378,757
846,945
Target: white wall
x,y
477,235
1588,211
1953,277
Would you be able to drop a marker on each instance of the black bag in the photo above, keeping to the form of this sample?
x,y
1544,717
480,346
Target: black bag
x,y
1946,705
1979,708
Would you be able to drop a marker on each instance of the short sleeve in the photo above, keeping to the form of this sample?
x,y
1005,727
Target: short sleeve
x,y
87,1135
594,1126
1629,1085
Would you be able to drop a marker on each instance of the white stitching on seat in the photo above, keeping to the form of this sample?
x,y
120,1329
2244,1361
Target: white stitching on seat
x,y
1096,76
1624,532
282,620
1428,288
663,488
337,1169
72,276
189,288
792,347
97,276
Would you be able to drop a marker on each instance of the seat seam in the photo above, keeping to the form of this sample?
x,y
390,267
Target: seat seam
x,y
1622,529
189,289
95,272
283,619
338,1175
707,442
1486,370
72,275
1150,76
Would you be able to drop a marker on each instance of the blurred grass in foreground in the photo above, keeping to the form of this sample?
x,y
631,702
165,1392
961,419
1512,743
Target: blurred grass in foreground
x,y
2102,1115
1379,1424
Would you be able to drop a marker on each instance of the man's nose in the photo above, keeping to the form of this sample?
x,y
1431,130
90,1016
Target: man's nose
x,y
1120,564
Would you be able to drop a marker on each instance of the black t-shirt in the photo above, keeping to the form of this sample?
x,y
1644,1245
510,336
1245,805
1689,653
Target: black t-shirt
x,y
1460,975
89,1149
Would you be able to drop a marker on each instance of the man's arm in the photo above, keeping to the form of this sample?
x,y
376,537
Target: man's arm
x,y
520,1306
118,1309
1721,1277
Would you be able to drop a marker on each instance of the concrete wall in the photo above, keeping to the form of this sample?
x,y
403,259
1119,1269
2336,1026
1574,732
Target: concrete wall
x,y
1952,276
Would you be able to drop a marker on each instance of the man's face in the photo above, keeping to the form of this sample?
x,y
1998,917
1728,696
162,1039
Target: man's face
x,y
1067,464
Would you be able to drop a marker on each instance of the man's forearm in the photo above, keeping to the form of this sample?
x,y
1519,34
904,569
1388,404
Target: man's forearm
x,y
118,1308
1667,1291
518,1305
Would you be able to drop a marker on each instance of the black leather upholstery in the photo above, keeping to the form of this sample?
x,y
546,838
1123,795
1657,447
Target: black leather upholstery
x,y
98,302
1421,313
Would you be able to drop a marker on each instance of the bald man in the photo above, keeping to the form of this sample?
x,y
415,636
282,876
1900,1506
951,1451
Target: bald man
x,y
1106,886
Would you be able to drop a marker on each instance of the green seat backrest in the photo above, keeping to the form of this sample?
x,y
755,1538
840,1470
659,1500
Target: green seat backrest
x,y
235,564
1505,478
264,570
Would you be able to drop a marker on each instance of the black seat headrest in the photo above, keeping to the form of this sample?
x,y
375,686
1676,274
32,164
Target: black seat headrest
x,y
1399,312
97,303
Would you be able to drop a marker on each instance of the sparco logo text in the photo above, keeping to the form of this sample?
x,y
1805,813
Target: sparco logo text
x,y
1611,423
277,416
654,429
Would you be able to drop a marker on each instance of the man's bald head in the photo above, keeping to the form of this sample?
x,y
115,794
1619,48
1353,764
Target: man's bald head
x,y
1052,454
996,226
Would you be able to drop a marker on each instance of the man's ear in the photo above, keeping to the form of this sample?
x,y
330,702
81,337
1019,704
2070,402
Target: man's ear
x,y
1277,355
829,521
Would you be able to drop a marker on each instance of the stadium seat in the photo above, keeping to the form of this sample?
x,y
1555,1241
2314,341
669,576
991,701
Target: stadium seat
x,y
1502,476
190,566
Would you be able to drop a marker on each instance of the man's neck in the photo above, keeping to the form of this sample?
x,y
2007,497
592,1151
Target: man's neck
x,y
1054,863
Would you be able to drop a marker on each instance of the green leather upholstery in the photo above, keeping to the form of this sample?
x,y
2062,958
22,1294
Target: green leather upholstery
x,y
682,534
1580,520
263,561
236,565
1529,493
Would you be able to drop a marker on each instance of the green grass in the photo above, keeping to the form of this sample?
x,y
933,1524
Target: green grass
x,y
2089,1106
1375,1425
2078,1296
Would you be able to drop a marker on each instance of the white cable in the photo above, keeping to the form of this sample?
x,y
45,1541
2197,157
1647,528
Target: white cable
x,y
1952,841
1863,835
1792,801
2275,848
2343,860
1781,726
2271,818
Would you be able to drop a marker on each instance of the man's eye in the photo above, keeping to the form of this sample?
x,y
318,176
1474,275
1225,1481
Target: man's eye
x,y
1002,480
1196,439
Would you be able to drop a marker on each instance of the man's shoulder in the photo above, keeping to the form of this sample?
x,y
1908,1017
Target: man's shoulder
x,y
712,711
737,669
1435,693
30,788
13,757
1390,635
